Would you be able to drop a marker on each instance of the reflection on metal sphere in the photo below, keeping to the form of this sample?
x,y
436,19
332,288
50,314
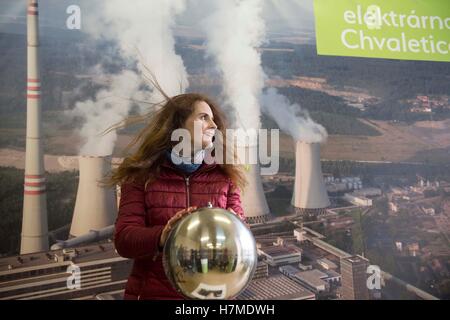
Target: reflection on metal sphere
x,y
210,254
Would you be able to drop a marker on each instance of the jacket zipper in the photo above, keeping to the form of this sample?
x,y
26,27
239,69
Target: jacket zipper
x,y
188,203
188,200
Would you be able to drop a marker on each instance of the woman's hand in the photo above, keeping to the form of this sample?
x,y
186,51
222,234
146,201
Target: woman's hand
x,y
171,223
243,220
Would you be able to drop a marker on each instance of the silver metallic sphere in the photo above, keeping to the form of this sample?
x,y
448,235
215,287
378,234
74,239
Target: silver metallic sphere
x,y
210,254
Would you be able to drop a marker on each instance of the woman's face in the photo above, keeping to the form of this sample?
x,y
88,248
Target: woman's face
x,y
201,119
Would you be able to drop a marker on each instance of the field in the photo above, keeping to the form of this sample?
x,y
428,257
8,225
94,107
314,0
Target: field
x,y
422,142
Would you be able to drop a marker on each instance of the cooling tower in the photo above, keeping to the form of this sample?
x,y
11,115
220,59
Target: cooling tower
x,y
310,195
253,199
34,236
95,206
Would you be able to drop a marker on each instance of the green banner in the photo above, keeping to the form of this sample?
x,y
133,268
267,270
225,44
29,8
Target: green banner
x,y
391,29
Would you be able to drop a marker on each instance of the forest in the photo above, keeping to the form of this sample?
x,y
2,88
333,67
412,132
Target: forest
x,y
61,193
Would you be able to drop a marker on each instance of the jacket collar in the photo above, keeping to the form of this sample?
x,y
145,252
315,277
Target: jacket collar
x,y
204,167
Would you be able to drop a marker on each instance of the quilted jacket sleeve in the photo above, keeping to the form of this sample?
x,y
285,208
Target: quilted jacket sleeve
x,y
234,200
132,238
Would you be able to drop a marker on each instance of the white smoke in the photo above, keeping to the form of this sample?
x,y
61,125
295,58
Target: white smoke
x,y
109,107
142,30
291,118
234,32
145,26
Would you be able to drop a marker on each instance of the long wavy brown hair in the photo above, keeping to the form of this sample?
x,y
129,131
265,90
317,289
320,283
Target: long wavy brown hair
x,y
144,165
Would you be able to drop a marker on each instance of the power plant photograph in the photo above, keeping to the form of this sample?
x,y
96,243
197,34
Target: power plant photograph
x,y
237,150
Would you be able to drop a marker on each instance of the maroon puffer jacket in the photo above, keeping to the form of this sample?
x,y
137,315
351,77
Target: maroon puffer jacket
x,y
143,213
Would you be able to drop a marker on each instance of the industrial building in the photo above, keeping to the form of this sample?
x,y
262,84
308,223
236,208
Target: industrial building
x,y
327,264
315,280
358,200
64,274
276,288
277,255
354,278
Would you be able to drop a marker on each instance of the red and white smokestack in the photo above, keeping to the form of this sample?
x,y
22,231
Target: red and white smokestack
x,y
34,223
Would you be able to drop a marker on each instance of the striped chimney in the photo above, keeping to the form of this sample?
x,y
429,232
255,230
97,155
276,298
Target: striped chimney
x,y
34,222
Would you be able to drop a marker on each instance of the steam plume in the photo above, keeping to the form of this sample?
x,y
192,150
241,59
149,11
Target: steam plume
x,y
142,30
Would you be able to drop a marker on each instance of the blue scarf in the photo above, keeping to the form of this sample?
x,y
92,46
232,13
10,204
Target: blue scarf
x,y
186,165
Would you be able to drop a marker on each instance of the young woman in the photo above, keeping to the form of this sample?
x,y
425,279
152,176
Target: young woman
x,y
158,188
